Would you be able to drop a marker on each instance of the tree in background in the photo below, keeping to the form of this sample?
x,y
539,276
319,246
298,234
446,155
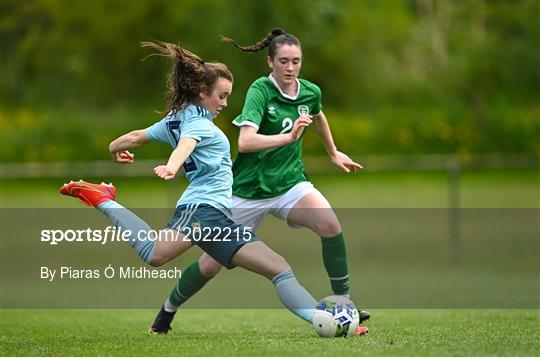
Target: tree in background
x,y
398,76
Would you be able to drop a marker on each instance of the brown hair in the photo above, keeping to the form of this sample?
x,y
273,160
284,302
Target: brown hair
x,y
277,37
190,75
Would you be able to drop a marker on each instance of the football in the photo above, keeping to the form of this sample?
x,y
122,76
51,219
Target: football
x,y
335,316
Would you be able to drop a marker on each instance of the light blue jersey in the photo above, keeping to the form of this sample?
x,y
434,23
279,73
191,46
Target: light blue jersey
x,y
208,168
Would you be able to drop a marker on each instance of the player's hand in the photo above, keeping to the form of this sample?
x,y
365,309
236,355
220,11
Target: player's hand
x,y
165,172
298,126
123,157
343,162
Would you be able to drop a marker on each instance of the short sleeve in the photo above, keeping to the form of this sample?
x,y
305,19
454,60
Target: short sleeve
x,y
159,131
254,106
318,102
197,128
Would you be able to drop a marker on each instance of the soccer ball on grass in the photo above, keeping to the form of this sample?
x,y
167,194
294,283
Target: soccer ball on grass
x,y
335,316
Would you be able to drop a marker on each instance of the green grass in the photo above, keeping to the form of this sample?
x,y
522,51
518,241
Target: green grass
x,y
478,189
400,259
268,333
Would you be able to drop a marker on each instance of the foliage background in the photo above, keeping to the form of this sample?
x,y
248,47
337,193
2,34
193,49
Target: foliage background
x,y
415,76
398,77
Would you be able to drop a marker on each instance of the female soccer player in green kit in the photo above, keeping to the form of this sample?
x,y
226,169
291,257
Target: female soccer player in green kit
x,y
268,172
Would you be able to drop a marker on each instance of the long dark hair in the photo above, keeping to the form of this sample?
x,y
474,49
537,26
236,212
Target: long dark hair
x,y
277,37
190,75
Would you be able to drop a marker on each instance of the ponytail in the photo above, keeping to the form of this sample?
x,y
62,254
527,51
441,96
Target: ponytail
x,y
276,37
186,79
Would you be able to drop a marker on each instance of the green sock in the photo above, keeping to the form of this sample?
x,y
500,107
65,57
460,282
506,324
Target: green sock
x,y
335,261
191,282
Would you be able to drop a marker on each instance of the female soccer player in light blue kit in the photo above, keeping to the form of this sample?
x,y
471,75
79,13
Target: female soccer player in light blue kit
x,y
198,92
269,175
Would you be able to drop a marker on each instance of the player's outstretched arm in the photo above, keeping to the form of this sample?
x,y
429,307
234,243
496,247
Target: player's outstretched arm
x,y
341,160
178,157
251,141
119,148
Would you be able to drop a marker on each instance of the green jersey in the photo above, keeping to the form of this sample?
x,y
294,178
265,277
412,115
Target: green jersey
x,y
269,173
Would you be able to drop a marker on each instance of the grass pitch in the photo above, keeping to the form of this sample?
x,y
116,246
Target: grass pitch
x,y
499,268
477,189
268,333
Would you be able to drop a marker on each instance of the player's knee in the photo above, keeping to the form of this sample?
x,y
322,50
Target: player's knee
x,y
208,266
329,227
158,260
156,263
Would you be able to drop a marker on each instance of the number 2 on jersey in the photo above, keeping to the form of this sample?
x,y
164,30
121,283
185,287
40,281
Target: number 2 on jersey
x,y
287,125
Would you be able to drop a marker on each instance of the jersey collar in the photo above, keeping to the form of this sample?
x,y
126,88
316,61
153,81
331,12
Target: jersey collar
x,y
271,77
200,111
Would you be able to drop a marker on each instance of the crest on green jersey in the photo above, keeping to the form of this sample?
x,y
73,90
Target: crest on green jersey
x,y
303,110
271,110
